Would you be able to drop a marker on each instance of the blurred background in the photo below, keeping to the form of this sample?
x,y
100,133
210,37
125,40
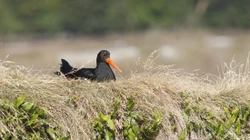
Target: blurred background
x,y
192,34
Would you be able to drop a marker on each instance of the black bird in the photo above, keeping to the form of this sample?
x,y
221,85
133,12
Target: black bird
x,y
102,71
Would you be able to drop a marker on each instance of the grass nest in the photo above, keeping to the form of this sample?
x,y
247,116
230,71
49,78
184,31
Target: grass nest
x,y
184,98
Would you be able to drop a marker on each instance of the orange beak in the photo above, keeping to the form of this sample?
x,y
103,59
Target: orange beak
x,y
110,62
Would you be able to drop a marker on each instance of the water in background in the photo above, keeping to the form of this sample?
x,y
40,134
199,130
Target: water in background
x,y
188,50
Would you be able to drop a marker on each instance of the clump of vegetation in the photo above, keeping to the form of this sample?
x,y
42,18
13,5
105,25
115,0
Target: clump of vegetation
x,y
134,124
24,120
232,123
194,106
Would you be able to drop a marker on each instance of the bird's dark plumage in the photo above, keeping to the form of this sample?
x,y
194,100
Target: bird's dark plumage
x,y
101,72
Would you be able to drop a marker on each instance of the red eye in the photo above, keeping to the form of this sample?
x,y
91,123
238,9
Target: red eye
x,y
102,54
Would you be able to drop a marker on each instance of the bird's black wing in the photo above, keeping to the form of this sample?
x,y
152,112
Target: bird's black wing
x,y
85,73
75,73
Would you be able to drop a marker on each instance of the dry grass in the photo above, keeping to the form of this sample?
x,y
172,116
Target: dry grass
x,y
154,86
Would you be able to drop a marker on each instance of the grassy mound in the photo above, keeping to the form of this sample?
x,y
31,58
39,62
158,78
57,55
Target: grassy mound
x,y
196,107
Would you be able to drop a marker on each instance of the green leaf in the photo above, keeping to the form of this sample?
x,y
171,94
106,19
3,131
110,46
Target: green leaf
x,y
125,132
174,128
135,129
245,116
221,130
228,123
131,135
210,114
182,135
110,124
184,95
35,125
104,118
130,104
188,109
34,117
233,118
137,116
125,124
6,105
116,107
40,112
157,119
32,120
196,109
238,128
185,116
108,135
7,137
214,124
75,99
98,126
196,127
63,138
248,105
19,101
27,106
236,111
51,132
227,112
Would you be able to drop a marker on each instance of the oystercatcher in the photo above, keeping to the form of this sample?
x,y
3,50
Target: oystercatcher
x,y
101,72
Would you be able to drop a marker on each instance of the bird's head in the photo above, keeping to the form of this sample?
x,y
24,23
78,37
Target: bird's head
x,y
104,56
